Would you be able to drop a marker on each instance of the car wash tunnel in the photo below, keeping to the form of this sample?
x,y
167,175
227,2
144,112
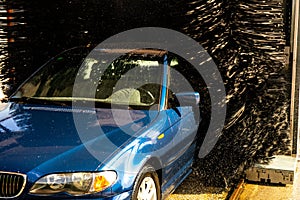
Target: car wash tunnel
x,y
254,45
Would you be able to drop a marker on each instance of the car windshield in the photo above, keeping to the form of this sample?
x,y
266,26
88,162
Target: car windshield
x,y
131,79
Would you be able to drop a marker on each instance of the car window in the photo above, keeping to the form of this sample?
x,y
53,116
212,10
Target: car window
x,y
179,75
129,80
178,79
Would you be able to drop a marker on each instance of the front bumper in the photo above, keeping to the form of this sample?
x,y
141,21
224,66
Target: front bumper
x,y
121,196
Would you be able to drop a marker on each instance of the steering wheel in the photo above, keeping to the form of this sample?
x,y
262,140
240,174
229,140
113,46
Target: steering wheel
x,y
146,96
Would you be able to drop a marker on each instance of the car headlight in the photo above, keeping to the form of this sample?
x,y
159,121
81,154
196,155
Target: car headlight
x,y
79,183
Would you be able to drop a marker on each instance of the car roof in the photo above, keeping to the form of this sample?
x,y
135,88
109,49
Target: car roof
x,y
150,52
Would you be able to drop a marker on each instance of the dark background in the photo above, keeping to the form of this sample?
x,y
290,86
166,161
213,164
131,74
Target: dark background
x,y
247,41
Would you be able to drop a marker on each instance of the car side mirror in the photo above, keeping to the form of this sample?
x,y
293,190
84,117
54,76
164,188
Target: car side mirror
x,y
188,98
183,99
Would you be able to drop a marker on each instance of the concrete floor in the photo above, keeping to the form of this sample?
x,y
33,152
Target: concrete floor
x,y
191,189
296,185
264,192
249,192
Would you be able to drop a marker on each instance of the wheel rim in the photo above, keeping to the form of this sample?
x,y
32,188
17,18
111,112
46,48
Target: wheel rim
x,y
147,190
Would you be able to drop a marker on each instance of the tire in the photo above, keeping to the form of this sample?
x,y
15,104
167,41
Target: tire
x,y
146,186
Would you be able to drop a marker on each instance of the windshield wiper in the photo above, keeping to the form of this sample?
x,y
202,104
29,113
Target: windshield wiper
x,y
19,99
44,101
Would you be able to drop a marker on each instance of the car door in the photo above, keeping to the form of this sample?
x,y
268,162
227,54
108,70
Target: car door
x,y
181,128
182,99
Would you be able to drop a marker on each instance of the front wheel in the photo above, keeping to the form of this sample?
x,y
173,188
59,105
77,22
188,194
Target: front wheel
x,y
147,185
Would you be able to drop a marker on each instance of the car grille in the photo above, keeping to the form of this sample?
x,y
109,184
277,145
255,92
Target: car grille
x,y
11,184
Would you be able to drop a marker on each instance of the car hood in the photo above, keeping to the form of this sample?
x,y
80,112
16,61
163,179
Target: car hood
x,y
44,139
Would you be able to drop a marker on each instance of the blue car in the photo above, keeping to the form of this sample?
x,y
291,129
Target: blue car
x,y
96,128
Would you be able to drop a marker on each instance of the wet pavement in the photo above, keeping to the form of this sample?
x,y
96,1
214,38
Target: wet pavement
x,y
265,192
193,189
